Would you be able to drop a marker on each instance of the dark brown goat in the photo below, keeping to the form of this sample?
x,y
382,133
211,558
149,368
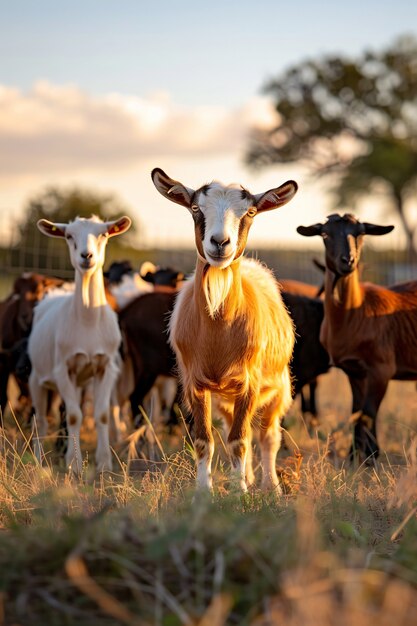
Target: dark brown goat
x,y
144,326
16,314
369,331
309,358
298,288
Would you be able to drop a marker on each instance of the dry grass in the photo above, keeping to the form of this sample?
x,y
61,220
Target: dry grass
x,y
339,548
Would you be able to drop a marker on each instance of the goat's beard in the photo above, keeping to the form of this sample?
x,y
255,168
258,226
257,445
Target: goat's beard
x,y
216,286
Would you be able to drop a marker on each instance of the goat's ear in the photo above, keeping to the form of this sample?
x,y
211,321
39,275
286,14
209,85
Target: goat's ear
x,y
310,231
374,229
118,227
277,197
320,266
146,268
172,189
50,229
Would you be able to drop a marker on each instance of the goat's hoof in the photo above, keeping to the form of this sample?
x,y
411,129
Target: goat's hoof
x,y
101,468
272,487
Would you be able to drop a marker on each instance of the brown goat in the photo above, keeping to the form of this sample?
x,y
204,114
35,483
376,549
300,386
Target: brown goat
x,y
369,331
231,333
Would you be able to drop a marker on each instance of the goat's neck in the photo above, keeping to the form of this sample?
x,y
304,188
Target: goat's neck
x,y
343,291
232,302
90,294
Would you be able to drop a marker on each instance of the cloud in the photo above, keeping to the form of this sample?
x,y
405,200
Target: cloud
x,y
52,129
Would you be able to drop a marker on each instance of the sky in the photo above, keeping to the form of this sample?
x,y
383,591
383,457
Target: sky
x,y
97,93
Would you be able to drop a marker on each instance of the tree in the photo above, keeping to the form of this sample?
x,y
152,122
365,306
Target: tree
x,y
61,205
354,121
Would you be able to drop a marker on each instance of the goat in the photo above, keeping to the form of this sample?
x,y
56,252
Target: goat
x,y
129,286
144,327
16,314
163,278
76,337
369,331
126,284
309,359
229,328
298,288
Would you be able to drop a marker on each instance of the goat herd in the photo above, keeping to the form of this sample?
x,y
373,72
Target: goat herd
x,y
240,345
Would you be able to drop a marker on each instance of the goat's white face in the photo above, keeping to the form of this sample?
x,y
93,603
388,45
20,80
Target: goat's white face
x,y
222,214
87,242
221,210
86,238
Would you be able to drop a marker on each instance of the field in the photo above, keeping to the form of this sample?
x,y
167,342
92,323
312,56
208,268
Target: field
x,y
339,547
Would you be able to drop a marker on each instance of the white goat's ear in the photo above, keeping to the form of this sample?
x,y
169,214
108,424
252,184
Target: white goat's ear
x,y
172,189
50,229
310,231
118,227
277,197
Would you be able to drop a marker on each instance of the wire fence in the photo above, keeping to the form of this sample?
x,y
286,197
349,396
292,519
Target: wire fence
x,y
40,254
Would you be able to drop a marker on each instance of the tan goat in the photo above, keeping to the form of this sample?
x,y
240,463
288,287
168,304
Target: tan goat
x,y
230,329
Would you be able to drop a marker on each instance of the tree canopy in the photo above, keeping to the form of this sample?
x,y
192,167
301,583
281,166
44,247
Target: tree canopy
x,y
355,119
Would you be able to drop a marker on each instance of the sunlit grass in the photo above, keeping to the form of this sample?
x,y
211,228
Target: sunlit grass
x,y
138,546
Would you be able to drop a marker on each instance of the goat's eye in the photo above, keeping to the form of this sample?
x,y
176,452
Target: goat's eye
x,y
69,237
325,235
251,212
194,208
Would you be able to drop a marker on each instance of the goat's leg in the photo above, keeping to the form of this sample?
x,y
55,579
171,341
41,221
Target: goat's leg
x,y
103,387
249,473
270,442
358,387
226,411
203,441
365,427
39,421
239,438
4,378
142,387
168,395
115,421
71,397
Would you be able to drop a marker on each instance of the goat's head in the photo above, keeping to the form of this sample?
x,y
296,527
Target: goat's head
x,y
161,276
30,288
86,238
343,240
222,214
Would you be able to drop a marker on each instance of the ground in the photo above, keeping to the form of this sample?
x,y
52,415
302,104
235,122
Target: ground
x,y
339,547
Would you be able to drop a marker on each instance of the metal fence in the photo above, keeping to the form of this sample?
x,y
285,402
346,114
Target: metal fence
x,y
44,255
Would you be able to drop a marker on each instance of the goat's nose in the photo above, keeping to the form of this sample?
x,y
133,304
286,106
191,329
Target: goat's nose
x,y
349,260
87,255
219,240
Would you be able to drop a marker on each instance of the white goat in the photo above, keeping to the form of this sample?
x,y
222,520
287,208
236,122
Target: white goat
x,y
230,329
130,287
75,339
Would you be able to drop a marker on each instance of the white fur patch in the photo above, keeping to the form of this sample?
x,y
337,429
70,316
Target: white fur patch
x,y
223,208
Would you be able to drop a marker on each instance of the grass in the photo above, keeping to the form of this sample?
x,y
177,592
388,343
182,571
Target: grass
x,y
340,547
